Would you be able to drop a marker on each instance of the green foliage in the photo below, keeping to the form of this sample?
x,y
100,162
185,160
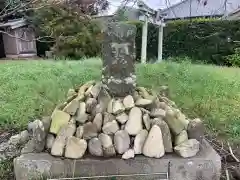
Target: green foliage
x,y
74,35
234,59
200,39
33,89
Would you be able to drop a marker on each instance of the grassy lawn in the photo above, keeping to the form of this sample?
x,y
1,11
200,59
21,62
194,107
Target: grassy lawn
x,y
31,89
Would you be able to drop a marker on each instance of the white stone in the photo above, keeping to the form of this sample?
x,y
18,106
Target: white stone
x,y
139,141
128,102
122,118
110,127
158,113
143,102
153,146
117,107
146,121
128,154
121,141
110,106
79,132
98,120
134,124
75,147
106,140
188,148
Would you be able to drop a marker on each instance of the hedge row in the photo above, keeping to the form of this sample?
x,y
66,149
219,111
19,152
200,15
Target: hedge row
x,y
203,39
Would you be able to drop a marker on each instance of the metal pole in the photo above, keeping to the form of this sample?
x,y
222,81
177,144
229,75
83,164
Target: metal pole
x,y
144,40
160,42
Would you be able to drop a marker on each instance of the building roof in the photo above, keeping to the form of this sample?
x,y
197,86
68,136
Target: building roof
x,y
15,23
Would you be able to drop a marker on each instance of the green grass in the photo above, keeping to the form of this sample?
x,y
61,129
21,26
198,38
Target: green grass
x,y
31,89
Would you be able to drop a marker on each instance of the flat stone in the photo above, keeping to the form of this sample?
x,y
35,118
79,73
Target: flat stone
x,y
128,102
110,127
188,148
106,140
98,120
49,141
205,165
134,124
139,141
158,113
180,138
71,108
153,146
118,107
83,89
88,91
121,141
75,147
122,118
95,147
65,132
196,129
89,130
59,119
91,104
96,90
143,102
118,51
79,132
128,154
166,134
146,121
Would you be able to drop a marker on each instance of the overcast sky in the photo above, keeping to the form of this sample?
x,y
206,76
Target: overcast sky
x,y
155,4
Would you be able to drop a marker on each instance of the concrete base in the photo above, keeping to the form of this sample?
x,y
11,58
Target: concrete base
x,y
205,166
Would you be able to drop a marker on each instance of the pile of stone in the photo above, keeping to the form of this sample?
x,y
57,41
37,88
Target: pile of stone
x,y
92,122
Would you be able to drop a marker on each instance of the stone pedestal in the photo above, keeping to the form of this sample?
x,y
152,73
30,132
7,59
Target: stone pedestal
x,y
205,166
118,59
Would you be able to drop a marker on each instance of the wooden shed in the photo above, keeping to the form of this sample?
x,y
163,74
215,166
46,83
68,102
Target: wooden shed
x,y
18,40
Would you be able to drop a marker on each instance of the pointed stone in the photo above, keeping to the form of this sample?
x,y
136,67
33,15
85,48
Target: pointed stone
x,y
75,148
139,141
146,121
134,124
91,104
128,154
128,102
153,146
96,90
118,107
59,119
98,120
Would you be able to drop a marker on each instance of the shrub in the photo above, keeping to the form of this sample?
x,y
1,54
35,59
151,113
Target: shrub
x,y
234,59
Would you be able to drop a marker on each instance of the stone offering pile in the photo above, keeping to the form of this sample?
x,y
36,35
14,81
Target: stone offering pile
x,y
115,117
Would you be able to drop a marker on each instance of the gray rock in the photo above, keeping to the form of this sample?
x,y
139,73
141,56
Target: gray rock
x,y
65,132
8,150
89,130
79,132
153,146
166,134
181,117
143,102
88,91
95,147
128,154
82,116
106,140
188,149
118,107
98,109
24,137
91,104
145,111
122,118
158,113
128,102
118,59
136,96
71,108
39,137
146,121
98,120
59,119
121,141
46,123
163,105
196,129
95,90
180,138
109,151
49,141
108,118
110,127
174,124
15,139
139,141
29,147
134,124
75,148
104,98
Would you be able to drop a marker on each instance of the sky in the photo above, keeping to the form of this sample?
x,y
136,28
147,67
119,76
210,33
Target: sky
x,y
155,4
